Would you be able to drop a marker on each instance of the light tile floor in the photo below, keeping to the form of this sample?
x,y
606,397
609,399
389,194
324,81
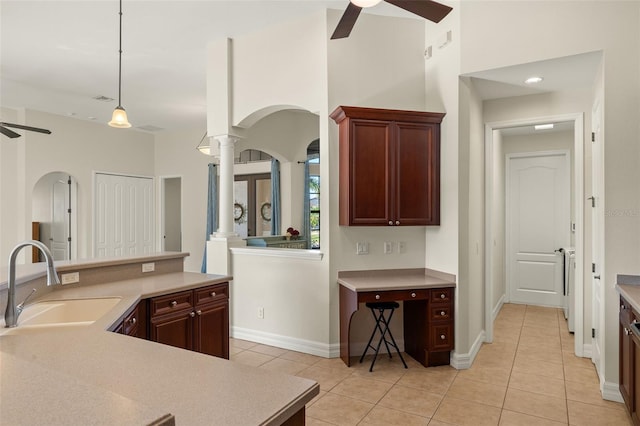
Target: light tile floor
x,y
527,376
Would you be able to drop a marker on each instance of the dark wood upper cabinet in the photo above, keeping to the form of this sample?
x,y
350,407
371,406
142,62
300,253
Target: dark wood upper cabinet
x,y
389,166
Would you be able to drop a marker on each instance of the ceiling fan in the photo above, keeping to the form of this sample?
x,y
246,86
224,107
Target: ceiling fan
x,y
12,134
428,9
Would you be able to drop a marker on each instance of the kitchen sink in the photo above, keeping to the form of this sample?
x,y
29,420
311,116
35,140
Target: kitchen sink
x,y
61,314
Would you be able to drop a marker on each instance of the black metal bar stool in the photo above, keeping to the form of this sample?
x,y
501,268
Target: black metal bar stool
x,y
382,324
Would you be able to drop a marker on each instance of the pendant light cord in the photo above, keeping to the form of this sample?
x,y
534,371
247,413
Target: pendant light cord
x,y
120,62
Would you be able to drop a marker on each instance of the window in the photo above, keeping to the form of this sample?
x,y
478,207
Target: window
x,y
314,210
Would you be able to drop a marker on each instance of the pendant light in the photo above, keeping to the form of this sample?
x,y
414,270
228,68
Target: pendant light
x,y
119,118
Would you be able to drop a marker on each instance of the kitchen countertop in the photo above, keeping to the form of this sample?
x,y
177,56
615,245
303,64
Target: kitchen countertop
x,y
629,287
86,375
392,279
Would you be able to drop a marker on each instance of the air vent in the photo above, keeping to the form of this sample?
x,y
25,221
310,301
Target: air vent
x,y
149,128
103,98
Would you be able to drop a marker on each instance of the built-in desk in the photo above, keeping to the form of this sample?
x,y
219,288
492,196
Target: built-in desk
x,y
428,298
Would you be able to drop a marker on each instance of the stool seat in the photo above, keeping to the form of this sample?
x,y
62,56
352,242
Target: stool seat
x,y
382,325
382,305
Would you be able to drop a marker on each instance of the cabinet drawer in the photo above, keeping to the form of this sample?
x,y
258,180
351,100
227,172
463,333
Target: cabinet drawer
x,y
441,337
440,313
442,295
171,303
390,296
212,293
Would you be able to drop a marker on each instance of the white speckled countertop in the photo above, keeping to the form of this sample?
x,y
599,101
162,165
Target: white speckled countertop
x,y
86,375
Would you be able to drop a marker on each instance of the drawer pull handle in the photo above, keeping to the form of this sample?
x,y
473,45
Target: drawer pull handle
x,y
442,296
133,320
622,307
442,337
199,312
390,223
192,314
174,303
626,331
213,294
413,295
397,222
442,313
377,297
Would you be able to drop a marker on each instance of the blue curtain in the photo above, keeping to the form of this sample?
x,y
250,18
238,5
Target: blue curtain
x,y
212,210
275,197
306,211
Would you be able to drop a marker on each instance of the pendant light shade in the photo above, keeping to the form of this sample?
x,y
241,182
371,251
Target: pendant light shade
x,y
365,3
119,117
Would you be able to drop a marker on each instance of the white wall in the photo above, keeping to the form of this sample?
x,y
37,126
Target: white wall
x,y
497,239
176,156
11,208
500,33
370,69
76,147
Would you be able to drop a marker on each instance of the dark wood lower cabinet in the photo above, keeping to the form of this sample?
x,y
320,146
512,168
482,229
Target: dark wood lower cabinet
x,y
629,360
196,320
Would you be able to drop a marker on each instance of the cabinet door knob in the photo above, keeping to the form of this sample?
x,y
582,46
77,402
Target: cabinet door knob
x,y
390,223
377,297
213,294
442,313
199,312
133,320
442,337
413,295
192,314
622,307
626,331
174,303
397,222
442,296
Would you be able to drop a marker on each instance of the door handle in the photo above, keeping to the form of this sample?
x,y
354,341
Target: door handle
x,y
596,277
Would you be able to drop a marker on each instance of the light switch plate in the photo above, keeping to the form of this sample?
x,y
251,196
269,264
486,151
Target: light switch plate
x,y
388,247
362,248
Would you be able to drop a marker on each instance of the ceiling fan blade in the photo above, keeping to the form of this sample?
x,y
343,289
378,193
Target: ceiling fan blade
x,y
32,129
428,9
8,132
347,21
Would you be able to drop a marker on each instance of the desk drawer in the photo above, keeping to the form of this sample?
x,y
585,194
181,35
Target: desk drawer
x,y
442,295
441,337
440,313
391,296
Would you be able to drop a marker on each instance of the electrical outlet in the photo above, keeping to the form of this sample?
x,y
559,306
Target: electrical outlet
x,y
402,247
388,247
148,267
70,278
261,312
362,248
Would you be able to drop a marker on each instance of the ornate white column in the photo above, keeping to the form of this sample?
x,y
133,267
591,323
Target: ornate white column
x,y
225,216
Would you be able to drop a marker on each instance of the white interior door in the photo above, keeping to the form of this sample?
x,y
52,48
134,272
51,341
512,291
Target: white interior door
x,y
60,220
124,215
538,223
597,231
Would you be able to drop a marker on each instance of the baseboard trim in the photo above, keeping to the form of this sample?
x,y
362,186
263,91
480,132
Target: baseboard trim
x,y
498,307
586,350
286,342
611,392
464,361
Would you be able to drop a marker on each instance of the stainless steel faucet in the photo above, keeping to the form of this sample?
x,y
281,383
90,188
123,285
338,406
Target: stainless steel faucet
x,y
13,312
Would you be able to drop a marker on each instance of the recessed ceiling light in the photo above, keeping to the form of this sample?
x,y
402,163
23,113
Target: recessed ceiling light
x,y
543,126
534,80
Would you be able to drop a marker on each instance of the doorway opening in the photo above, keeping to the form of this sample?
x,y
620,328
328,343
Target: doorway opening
x,y
54,215
495,220
171,221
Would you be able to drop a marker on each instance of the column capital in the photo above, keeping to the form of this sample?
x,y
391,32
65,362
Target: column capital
x,y
227,139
